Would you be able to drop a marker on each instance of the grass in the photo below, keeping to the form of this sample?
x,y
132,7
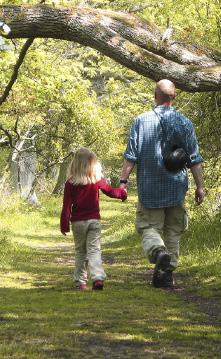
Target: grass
x,y
42,316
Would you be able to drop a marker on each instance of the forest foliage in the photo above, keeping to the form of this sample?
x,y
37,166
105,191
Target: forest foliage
x,y
68,96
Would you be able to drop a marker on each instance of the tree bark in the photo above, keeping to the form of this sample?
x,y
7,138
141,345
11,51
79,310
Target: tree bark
x,y
62,176
128,40
22,170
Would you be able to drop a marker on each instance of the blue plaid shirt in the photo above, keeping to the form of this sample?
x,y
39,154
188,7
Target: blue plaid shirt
x,y
157,187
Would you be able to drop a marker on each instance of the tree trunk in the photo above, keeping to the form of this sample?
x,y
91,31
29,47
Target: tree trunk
x,y
62,176
22,171
130,41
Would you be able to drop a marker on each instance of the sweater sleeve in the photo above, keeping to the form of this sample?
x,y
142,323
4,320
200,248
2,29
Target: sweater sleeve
x,y
119,193
66,209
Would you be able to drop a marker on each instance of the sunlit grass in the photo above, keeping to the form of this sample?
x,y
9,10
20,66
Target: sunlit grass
x,y
42,316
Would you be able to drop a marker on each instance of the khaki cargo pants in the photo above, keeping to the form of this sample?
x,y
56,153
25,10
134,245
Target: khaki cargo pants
x,y
87,236
161,228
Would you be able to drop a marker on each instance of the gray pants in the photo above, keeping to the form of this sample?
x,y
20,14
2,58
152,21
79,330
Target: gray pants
x,y
170,222
87,235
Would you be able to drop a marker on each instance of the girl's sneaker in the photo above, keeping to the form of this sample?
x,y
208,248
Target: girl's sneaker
x,y
98,285
81,286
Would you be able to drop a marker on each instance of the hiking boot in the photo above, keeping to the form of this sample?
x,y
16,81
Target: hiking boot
x,y
98,285
161,260
157,279
168,280
163,279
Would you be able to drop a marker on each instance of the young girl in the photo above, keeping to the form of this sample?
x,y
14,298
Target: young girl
x,y
81,207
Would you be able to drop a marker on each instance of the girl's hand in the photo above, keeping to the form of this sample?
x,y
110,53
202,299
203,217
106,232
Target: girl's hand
x,y
124,195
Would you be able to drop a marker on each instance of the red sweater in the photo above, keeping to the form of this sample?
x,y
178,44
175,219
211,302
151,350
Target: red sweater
x,y
81,202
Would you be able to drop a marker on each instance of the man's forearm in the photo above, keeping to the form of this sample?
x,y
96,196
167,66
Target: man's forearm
x,y
127,169
197,175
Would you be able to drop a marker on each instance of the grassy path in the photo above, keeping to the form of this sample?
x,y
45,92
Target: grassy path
x,y
42,316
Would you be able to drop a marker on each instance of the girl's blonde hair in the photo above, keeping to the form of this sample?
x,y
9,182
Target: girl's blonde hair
x,y
84,168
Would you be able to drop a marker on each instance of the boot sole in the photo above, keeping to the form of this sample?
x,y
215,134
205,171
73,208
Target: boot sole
x,y
158,281
163,262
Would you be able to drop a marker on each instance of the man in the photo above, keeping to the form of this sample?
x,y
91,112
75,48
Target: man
x,y
161,193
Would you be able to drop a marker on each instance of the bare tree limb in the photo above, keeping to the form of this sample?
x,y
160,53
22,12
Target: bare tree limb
x,y
18,64
8,134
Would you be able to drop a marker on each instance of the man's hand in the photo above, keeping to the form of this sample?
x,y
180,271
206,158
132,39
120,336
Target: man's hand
x,y
124,186
199,196
197,175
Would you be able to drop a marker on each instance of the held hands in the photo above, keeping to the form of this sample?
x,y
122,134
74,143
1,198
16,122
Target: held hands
x,y
199,195
124,187
124,195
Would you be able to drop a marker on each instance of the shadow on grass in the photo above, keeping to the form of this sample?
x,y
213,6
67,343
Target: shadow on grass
x,y
123,321
128,319
47,318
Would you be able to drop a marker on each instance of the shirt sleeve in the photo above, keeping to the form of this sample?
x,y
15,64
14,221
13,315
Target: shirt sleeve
x,y
192,147
66,209
131,152
119,193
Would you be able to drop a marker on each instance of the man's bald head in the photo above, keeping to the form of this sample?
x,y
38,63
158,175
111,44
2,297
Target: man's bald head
x,y
165,91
